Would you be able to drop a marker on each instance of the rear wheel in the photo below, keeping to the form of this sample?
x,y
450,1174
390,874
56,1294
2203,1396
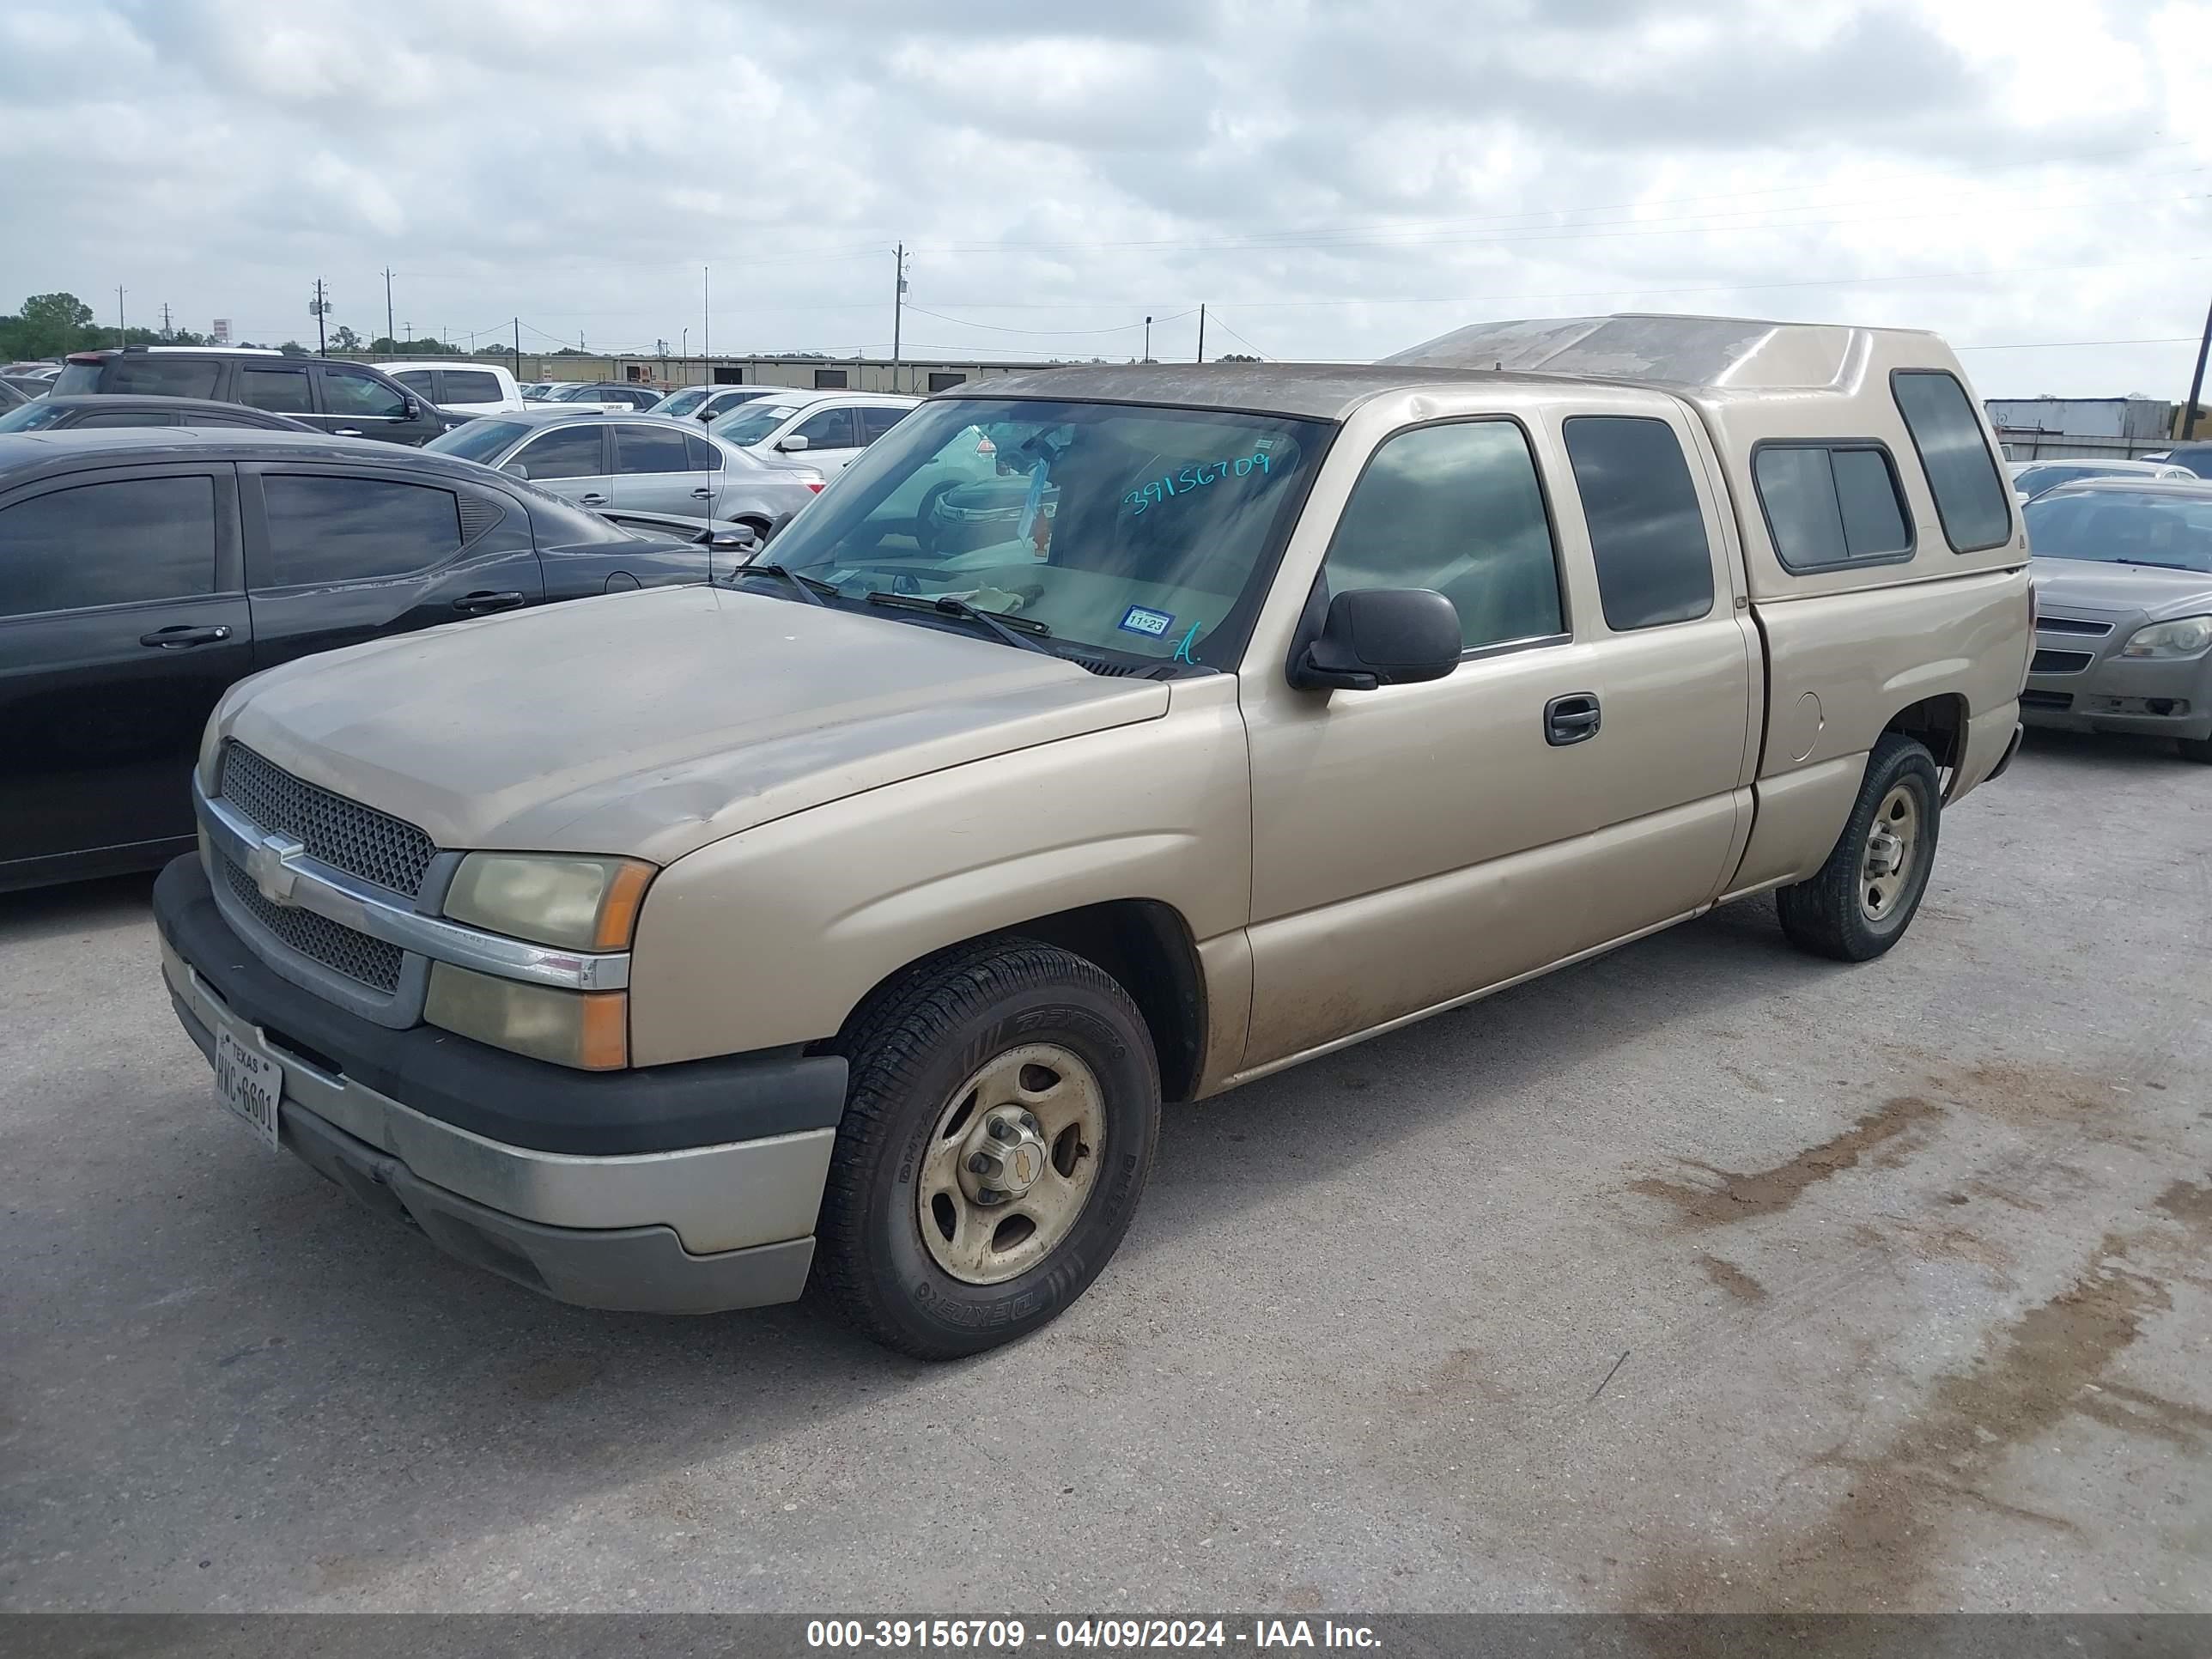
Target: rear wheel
x,y
999,1127
1865,895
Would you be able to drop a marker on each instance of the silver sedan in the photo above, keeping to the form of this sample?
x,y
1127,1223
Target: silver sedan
x,y
2124,611
638,463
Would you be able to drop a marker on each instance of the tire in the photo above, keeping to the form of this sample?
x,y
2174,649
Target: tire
x,y
2196,748
924,1054
1831,914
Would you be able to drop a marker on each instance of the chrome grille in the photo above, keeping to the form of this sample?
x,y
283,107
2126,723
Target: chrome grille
x,y
357,838
370,961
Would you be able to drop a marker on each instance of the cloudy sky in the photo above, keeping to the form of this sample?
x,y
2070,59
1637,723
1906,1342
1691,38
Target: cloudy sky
x,y
1338,179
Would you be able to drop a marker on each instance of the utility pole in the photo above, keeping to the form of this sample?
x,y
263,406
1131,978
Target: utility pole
x,y
2196,380
1148,339
122,334
164,321
388,334
395,338
1201,332
898,306
518,348
321,308
707,318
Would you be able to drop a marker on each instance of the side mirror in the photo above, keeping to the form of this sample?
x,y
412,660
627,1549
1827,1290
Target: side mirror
x,y
411,408
793,444
516,469
1379,636
740,538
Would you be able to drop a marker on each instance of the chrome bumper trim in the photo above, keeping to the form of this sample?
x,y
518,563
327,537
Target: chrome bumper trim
x,y
726,1197
288,875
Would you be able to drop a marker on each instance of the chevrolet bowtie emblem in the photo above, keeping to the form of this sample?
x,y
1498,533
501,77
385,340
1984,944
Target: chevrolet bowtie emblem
x,y
266,861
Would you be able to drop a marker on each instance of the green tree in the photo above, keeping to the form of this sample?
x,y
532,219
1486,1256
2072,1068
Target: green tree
x,y
345,339
294,348
48,325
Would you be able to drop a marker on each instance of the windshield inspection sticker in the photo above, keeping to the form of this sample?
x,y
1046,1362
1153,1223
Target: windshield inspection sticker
x,y
1153,624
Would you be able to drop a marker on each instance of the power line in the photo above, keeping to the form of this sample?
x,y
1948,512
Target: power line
x,y
1234,335
2050,345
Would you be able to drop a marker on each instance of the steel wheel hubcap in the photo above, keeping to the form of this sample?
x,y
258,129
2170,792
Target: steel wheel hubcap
x,y
1892,844
1011,1162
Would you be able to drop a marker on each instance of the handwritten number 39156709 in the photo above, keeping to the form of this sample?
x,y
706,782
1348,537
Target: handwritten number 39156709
x,y
1156,490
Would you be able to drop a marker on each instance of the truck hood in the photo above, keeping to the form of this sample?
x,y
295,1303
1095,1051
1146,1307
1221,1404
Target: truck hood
x,y
2092,587
651,724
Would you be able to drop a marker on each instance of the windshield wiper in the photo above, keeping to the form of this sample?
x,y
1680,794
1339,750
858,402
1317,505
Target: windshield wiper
x,y
2160,564
806,586
946,605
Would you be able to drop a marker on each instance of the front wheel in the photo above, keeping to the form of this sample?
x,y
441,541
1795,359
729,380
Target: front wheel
x,y
1863,897
999,1127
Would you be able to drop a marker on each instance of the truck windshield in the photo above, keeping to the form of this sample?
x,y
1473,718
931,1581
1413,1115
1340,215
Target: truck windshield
x,y
1135,532
2118,527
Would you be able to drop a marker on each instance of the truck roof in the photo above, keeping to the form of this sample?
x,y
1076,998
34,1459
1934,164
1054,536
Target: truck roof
x,y
1703,354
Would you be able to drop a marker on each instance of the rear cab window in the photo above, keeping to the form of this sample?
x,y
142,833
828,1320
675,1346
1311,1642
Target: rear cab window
x,y
1647,528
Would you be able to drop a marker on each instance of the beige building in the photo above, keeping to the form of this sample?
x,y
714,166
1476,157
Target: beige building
x,y
851,373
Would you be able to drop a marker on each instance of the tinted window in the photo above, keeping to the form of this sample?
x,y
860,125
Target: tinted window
x,y
682,403
831,429
339,530
1455,507
1971,499
574,452
477,440
416,380
875,421
703,455
830,380
284,390
108,544
29,417
162,377
464,385
1873,512
2197,457
1647,533
944,379
649,449
1829,505
348,392
126,417
75,380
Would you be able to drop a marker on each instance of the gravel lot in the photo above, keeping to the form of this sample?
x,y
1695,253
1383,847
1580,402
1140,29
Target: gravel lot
x,y
1911,1264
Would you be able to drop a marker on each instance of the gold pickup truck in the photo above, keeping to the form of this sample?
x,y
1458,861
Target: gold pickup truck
x,y
1104,737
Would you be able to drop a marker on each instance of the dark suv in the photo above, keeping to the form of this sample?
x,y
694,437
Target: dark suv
x,y
345,400
145,570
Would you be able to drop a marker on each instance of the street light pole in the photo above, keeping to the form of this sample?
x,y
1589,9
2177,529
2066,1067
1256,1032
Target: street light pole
x,y
2196,380
1148,339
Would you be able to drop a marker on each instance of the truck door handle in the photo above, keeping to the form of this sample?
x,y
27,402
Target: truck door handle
x,y
594,499
177,636
484,603
1572,719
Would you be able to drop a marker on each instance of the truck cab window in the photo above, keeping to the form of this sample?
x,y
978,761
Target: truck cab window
x,y
1647,531
1455,507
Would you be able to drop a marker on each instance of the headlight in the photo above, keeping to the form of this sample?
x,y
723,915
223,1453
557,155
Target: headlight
x,y
589,1031
2184,636
576,903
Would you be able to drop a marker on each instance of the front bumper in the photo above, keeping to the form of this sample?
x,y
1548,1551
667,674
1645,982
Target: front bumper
x,y
2113,694
724,1221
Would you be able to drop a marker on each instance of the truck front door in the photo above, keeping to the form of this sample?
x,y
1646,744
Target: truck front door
x,y
1577,780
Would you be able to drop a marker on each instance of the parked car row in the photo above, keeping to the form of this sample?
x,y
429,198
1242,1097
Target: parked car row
x,y
341,400
148,570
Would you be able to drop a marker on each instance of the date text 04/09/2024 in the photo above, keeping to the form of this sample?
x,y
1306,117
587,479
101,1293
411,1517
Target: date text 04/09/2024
x,y
1012,1634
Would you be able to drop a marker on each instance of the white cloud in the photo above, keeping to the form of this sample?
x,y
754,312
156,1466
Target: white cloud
x,y
1335,178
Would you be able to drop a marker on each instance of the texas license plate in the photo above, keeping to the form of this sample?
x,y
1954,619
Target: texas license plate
x,y
248,1084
